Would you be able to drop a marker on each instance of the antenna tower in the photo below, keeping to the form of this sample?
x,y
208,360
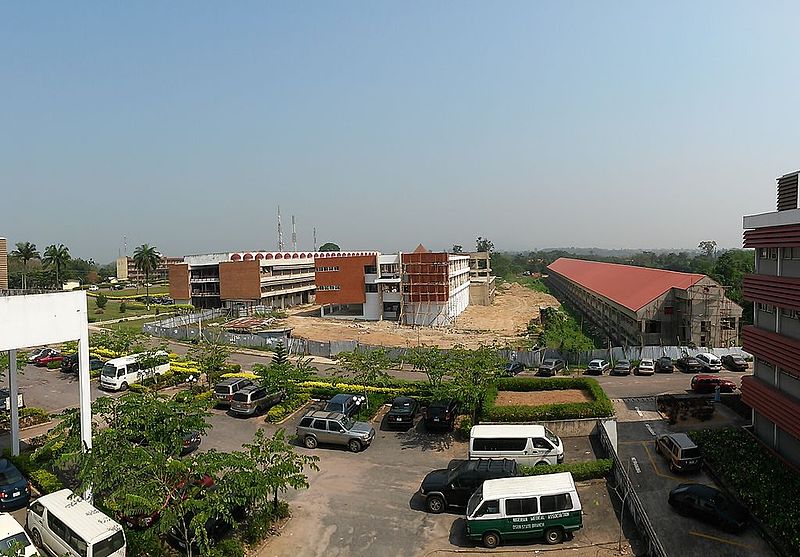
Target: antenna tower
x,y
294,236
280,232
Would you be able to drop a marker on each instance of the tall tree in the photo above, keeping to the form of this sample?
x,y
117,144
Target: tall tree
x,y
25,252
432,361
484,244
458,248
283,375
369,367
329,246
56,257
474,372
708,247
211,358
146,258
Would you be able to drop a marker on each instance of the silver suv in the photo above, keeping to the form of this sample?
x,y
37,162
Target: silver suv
x,y
336,429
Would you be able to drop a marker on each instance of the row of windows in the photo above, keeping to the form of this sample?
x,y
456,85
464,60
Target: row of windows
x,y
772,253
789,313
528,505
510,444
327,287
326,269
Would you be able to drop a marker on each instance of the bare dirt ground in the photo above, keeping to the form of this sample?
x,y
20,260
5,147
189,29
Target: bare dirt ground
x,y
535,398
503,322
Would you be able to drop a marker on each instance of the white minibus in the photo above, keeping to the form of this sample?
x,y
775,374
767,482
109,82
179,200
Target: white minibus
x,y
528,444
66,524
119,373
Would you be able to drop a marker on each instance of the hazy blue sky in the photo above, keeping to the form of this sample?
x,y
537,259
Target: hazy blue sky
x,y
184,124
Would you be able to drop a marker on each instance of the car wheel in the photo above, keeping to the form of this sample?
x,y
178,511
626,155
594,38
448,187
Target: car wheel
x,y
435,504
658,448
123,387
36,538
354,445
310,442
491,540
542,463
554,535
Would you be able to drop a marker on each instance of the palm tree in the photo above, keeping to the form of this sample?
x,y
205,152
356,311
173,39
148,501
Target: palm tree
x,y
25,252
58,257
146,258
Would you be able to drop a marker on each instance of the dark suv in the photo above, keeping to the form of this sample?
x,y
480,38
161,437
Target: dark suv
x,y
454,486
689,364
680,451
252,400
402,413
70,363
440,414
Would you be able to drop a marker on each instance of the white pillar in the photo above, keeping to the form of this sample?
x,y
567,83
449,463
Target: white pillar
x,y
12,401
84,389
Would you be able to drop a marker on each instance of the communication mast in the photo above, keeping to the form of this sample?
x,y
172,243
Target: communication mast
x,y
280,232
294,236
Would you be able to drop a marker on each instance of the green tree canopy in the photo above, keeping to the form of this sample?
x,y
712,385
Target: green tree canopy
x,y
329,246
25,252
146,258
56,257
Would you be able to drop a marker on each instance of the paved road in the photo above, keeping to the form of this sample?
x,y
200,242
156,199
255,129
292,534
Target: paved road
x,y
649,385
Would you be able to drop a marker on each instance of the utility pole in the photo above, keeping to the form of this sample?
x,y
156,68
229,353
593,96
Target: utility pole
x,y
315,238
294,236
280,232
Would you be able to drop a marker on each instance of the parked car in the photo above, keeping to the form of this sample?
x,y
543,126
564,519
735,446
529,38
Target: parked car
x,y
664,364
191,442
680,452
646,367
224,390
597,367
35,353
709,504
11,533
551,366
49,355
117,287
689,364
454,486
440,414
708,383
402,413
513,368
5,400
345,403
334,428
94,288
253,400
70,363
709,362
734,362
622,367
15,489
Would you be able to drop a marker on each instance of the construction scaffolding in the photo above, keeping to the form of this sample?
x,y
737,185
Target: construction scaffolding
x,y
426,289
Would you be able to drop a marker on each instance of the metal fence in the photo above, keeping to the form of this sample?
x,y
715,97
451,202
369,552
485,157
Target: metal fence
x,y
630,500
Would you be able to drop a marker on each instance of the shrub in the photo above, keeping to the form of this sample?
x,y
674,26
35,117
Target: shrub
x,y
53,365
600,406
228,547
144,543
138,388
241,375
463,426
580,470
286,408
101,300
122,306
44,480
258,524
766,486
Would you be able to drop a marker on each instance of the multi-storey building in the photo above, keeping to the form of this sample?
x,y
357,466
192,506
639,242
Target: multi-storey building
x,y
127,270
243,279
419,288
773,392
481,282
640,306
3,264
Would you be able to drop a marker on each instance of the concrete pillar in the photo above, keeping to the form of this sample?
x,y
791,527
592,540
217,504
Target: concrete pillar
x,y
13,395
84,390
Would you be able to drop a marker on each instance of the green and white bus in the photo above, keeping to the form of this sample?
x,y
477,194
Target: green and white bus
x,y
509,509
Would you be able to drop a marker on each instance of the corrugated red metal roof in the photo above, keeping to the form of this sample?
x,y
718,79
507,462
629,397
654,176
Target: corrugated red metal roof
x,y
629,286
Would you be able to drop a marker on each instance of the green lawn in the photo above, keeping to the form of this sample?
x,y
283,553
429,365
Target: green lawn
x,y
111,311
154,291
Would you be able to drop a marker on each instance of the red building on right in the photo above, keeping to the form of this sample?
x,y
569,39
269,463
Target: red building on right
x,y
774,339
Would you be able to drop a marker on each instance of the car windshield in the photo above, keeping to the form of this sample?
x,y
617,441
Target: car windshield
x,y
109,370
20,538
551,437
549,362
348,423
595,363
10,476
474,501
240,397
106,547
623,363
223,390
401,404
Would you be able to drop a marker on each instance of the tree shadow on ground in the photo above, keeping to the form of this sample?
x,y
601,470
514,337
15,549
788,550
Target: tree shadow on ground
x,y
419,438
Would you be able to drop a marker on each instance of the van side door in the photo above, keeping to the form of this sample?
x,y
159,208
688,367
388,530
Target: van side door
x,y
58,534
543,449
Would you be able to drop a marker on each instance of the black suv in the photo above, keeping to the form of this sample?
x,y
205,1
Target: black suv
x,y
70,363
709,504
441,414
402,413
455,485
734,362
664,364
689,364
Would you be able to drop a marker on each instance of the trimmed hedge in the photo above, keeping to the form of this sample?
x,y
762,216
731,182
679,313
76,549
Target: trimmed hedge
x,y
600,406
580,471
44,480
284,409
766,486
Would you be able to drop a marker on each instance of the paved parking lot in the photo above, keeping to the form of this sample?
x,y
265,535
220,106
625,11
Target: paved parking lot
x,y
653,481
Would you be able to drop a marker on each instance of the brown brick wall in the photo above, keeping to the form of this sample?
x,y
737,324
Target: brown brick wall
x,y
178,275
349,278
240,280
3,264
426,277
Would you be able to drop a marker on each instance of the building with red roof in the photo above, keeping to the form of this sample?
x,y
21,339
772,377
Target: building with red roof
x,y
642,306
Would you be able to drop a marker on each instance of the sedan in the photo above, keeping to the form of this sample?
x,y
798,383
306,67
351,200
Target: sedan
x,y
46,358
15,489
514,368
551,366
705,384
709,362
622,367
664,364
645,367
597,367
709,504
402,412
35,353
734,362
688,364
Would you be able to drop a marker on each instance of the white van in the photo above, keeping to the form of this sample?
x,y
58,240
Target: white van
x,y
65,524
11,533
517,509
528,444
119,373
